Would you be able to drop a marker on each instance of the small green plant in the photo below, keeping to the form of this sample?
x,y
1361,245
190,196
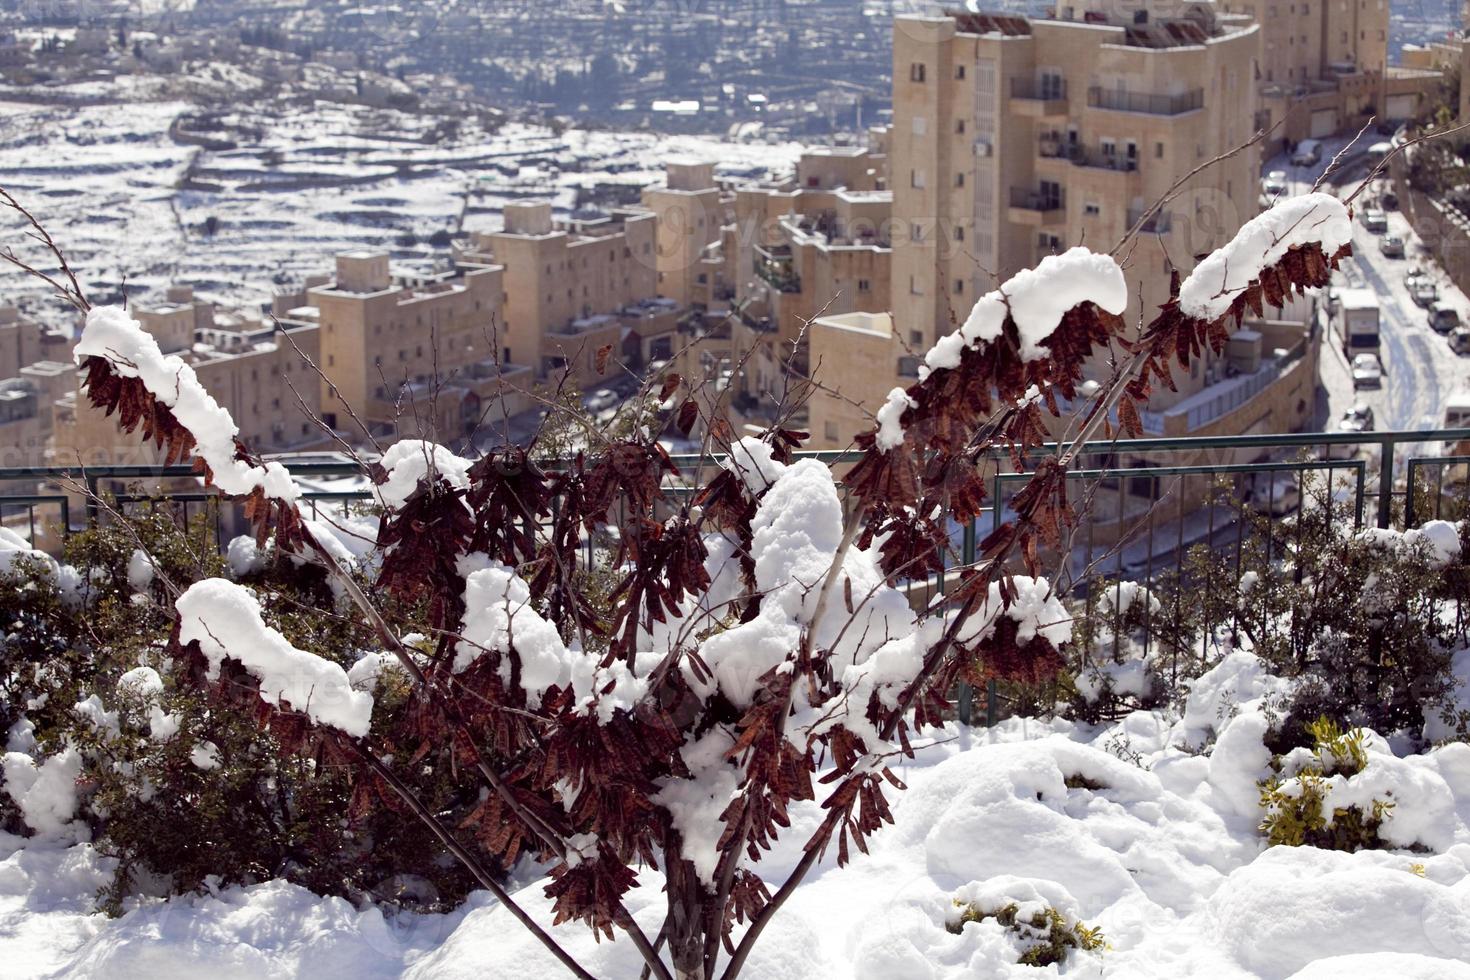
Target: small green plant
x,y
1047,934
1295,804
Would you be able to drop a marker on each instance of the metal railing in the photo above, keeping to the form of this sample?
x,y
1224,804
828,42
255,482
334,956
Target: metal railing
x,y
1039,89
1034,200
1146,502
1154,105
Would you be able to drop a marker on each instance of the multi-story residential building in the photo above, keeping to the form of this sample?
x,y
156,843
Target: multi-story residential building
x,y
689,211
1016,138
1323,67
1013,139
1450,58
411,355
24,341
25,423
573,288
244,363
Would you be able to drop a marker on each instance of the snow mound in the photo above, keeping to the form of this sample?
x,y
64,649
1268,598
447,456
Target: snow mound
x,y
1293,905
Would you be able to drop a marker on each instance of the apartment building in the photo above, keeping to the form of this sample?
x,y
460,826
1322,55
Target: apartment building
x,y
571,288
1014,139
689,211
1324,67
25,423
245,363
1449,57
24,341
410,356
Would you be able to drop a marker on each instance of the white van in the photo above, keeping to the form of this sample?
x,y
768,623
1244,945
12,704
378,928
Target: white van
x,y
1308,153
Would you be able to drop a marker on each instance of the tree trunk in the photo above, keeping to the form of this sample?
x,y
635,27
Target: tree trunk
x,y
686,897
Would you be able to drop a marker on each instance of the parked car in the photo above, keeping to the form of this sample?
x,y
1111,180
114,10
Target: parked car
x,y
1308,153
1367,371
1389,200
1374,220
1443,317
1355,420
1359,418
1460,340
1424,291
600,400
1274,494
1274,183
1392,246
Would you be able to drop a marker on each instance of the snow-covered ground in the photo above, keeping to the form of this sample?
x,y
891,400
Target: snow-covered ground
x,y
1162,854
131,205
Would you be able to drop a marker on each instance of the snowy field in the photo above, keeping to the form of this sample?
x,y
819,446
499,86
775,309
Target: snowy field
x,y
130,204
1161,853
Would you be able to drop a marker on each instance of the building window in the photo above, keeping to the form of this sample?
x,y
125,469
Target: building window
x,y
959,71
1158,151
1091,209
959,286
914,286
920,125
959,126
916,232
916,179
916,338
864,286
916,72
959,179
908,367
959,233
830,431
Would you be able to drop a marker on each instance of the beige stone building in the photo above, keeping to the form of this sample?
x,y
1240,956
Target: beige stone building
x,y
24,341
1324,67
1014,138
243,362
572,288
411,356
1451,55
689,212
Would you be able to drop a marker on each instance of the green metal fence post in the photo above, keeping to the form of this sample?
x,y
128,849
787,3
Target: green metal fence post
x,y
965,695
1385,483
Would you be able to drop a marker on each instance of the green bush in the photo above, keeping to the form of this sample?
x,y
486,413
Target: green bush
x,y
183,780
1047,936
1294,802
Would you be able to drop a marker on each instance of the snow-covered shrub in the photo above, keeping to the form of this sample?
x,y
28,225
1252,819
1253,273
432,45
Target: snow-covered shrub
x,y
1040,917
115,738
1325,796
1361,625
758,649
1118,671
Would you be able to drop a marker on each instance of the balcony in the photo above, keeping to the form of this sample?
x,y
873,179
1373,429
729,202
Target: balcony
x,y
1053,147
1153,105
1158,223
1035,207
775,266
1039,98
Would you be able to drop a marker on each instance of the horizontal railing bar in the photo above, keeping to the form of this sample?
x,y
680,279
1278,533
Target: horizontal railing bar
x,y
1297,440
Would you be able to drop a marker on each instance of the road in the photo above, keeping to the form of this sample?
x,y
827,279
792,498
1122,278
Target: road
x,y
1421,370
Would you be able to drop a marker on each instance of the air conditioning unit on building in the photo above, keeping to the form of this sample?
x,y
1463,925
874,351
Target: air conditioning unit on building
x,y
1243,352
983,148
